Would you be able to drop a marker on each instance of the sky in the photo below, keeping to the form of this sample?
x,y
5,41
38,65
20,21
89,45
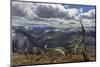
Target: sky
x,y
56,15
84,7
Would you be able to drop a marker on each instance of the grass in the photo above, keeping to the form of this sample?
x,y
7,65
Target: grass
x,y
19,59
53,57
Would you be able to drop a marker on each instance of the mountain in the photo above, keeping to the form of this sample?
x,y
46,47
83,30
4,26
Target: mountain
x,y
55,36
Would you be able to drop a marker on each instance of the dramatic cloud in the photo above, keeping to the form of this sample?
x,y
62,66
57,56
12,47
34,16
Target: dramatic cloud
x,y
40,10
55,11
88,15
50,11
56,15
72,12
23,9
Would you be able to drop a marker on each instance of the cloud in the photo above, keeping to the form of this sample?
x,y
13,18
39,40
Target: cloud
x,y
23,9
41,10
71,12
56,15
50,11
81,10
55,11
88,15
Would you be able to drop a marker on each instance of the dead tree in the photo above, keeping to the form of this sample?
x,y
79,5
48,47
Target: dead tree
x,y
83,41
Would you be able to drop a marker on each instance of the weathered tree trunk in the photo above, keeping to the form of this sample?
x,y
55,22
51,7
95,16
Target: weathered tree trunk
x,y
83,42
